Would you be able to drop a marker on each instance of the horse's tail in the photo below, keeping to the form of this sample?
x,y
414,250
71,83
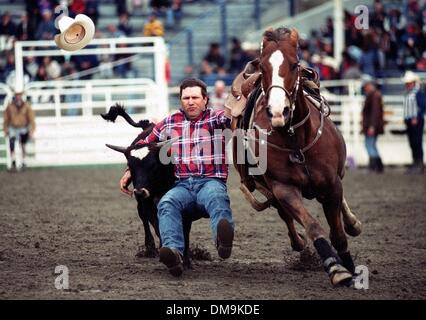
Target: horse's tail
x,y
119,110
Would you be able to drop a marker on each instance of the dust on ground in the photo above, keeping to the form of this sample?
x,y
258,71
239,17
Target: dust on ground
x,y
78,218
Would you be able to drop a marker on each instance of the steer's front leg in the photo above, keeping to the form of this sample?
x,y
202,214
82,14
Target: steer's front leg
x,y
187,223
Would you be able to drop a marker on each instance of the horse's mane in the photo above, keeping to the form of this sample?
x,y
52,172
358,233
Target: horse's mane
x,y
277,34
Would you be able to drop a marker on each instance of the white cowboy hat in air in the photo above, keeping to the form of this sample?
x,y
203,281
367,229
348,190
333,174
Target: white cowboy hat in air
x,y
329,61
247,45
75,33
410,76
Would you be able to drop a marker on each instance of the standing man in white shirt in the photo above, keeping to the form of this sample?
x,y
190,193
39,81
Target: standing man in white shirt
x,y
414,121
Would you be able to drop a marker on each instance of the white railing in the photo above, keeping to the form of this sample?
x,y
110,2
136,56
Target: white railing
x,y
69,129
63,139
89,95
5,92
347,114
153,46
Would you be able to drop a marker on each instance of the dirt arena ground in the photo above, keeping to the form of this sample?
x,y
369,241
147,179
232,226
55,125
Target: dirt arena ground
x,y
78,218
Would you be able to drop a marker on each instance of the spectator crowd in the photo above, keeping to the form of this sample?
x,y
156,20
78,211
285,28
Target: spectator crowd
x,y
37,22
393,43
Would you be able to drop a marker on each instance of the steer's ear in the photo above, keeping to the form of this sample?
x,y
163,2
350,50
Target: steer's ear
x,y
146,125
113,112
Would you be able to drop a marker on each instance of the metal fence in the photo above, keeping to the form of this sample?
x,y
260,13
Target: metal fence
x,y
73,132
69,128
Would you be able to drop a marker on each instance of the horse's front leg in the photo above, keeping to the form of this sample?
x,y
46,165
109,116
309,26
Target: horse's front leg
x,y
332,205
298,242
290,199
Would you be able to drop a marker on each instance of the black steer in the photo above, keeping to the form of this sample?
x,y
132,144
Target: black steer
x,y
151,180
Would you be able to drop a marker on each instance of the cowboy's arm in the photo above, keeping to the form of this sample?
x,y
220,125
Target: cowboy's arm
x,y
125,181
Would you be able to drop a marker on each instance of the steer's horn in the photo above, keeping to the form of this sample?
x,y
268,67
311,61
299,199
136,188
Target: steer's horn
x,y
170,141
116,148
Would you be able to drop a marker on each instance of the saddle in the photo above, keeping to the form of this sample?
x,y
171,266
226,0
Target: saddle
x,y
310,79
240,103
241,88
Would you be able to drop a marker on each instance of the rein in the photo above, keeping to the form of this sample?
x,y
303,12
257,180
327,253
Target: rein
x,y
306,148
296,153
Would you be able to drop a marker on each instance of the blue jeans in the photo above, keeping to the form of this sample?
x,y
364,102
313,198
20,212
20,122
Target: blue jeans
x,y
186,196
415,138
370,144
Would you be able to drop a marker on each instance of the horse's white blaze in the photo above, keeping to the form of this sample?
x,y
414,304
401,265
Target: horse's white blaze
x,y
140,153
277,96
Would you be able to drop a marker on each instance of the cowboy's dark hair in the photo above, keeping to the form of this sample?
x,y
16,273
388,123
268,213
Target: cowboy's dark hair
x,y
193,82
276,35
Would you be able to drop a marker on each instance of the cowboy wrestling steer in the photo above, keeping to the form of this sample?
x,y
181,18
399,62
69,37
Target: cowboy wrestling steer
x,y
151,180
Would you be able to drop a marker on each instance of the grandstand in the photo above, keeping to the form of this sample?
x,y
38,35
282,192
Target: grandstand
x,y
189,29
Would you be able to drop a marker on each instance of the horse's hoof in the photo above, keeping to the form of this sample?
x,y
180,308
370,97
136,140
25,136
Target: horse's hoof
x,y
300,244
353,230
347,261
339,275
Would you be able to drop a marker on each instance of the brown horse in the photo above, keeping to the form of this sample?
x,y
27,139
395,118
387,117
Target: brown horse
x,y
306,156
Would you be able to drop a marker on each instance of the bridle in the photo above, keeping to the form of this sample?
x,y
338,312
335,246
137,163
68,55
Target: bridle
x,y
296,154
292,97
293,90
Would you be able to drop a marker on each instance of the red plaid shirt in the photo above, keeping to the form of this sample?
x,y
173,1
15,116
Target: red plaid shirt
x,y
200,150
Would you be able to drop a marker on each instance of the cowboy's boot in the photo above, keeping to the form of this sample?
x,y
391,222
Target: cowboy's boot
x,y
379,165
